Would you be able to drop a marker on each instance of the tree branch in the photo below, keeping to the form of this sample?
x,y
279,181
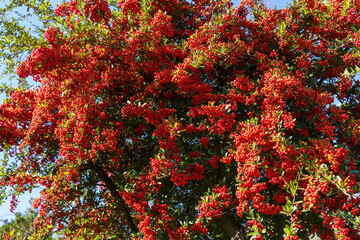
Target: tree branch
x,y
116,195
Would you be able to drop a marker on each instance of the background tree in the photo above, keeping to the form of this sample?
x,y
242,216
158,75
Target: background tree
x,y
190,120
21,227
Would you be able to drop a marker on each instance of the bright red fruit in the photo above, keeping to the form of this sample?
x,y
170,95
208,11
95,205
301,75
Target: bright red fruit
x,y
191,120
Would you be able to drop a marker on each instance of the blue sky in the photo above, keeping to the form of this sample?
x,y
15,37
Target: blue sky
x,y
24,200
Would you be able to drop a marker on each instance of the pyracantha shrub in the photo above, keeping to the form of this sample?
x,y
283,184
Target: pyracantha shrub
x,y
176,119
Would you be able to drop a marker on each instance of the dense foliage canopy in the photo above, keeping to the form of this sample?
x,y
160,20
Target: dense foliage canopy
x,y
22,27
176,119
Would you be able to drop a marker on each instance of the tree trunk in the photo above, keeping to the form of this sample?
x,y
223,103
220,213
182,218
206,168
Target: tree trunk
x,y
234,232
